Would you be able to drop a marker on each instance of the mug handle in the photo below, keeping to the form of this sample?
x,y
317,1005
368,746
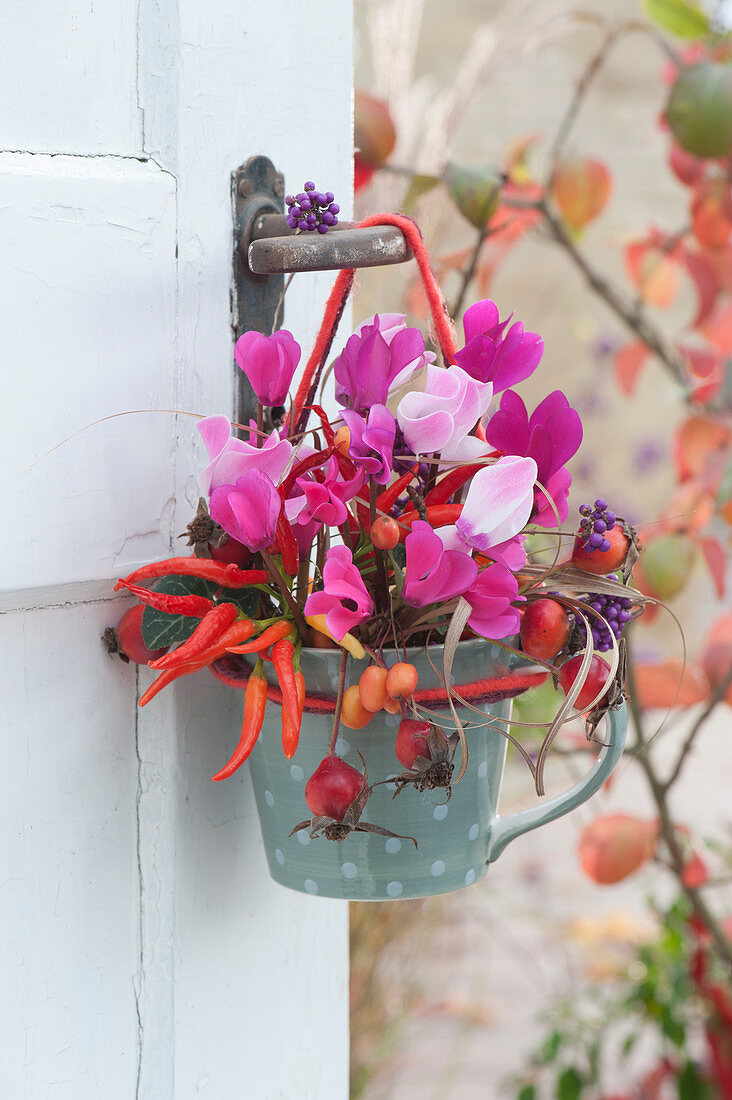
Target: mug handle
x,y
506,829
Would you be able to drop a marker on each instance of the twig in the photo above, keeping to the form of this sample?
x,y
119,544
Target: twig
x,y
339,704
289,599
717,696
668,829
469,272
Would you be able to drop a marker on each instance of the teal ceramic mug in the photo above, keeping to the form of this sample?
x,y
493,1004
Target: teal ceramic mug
x,y
456,838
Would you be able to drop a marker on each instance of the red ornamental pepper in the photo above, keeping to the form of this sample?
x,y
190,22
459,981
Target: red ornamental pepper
x,y
287,543
300,468
255,704
195,606
272,634
203,637
451,482
386,500
290,733
283,653
438,515
325,422
237,632
226,574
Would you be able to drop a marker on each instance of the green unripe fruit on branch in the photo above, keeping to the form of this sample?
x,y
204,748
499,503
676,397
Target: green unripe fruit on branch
x,y
699,111
667,564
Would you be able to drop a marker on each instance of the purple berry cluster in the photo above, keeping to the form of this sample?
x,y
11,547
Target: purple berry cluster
x,y
594,524
615,610
312,209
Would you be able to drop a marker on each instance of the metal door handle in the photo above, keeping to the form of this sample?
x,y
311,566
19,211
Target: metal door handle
x,y
275,248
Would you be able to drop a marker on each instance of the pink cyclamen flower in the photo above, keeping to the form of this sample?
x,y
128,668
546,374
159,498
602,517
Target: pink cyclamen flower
x,y
269,363
434,574
498,503
493,355
491,598
370,362
325,501
441,417
551,436
344,600
372,441
232,458
248,510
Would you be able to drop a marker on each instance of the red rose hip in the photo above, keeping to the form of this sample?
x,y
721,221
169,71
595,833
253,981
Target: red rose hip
x,y
544,629
601,562
412,741
129,638
332,787
597,678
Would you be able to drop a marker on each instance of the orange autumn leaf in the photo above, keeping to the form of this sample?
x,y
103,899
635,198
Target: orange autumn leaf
x,y
711,213
615,846
668,684
697,439
581,189
628,364
653,272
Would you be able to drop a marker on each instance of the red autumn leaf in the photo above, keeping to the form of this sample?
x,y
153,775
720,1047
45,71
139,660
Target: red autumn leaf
x,y
703,274
716,560
717,656
696,439
711,213
581,189
685,166
628,364
695,872
706,366
614,846
668,684
718,330
653,271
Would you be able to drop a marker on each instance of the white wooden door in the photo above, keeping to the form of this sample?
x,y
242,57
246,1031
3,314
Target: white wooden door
x,y
144,952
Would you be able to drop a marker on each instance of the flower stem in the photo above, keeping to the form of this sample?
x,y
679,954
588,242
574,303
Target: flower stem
x,y
382,584
339,703
288,597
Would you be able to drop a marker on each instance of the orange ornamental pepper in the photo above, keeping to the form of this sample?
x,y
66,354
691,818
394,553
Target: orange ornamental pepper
x,y
255,704
272,634
233,634
290,733
438,515
282,655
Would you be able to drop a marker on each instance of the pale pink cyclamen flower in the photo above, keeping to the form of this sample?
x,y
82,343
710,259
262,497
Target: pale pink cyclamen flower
x,y
344,600
433,573
493,355
269,363
498,503
248,510
231,458
441,417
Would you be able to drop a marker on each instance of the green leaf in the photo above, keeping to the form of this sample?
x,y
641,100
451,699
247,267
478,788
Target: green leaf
x,y
418,185
162,629
691,1086
569,1085
528,1092
672,1028
682,18
550,1049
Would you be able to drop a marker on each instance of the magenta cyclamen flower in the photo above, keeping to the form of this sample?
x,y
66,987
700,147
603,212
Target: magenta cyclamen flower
x,y
491,599
248,510
325,502
434,574
493,355
372,441
370,362
269,363
344,600
550,436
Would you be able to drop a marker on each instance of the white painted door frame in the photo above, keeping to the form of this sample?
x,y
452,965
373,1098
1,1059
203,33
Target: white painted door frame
x,y
145,952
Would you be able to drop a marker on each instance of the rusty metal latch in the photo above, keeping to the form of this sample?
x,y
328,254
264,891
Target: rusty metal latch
x,y
265,247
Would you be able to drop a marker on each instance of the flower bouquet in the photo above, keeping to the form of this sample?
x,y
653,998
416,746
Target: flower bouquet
x,y
366,569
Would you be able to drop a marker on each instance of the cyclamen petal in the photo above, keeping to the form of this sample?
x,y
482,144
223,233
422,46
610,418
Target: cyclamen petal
x,y
372,441
491,599
231,458
498,503
434,574
492,354
269,363
248,510
342,582
441,417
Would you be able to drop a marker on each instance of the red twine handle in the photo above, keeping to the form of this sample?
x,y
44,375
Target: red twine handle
x,y
488,690
336,303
